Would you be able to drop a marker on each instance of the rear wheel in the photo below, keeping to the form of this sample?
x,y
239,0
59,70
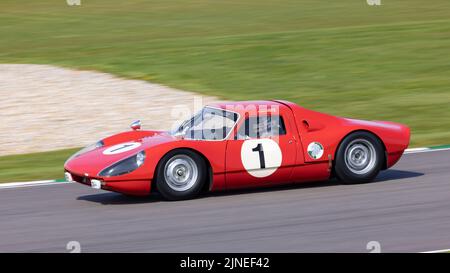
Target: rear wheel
x,y
359,158
181,174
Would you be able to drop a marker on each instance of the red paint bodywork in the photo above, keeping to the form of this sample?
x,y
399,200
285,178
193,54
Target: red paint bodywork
x,y
303,126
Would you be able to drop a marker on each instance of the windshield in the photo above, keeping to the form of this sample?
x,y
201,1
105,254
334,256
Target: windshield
x,y
208,124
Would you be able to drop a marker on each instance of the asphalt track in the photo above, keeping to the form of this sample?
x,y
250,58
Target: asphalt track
x,y
406,210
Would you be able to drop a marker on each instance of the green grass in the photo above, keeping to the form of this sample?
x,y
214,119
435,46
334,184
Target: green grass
x,y
36,166
346,58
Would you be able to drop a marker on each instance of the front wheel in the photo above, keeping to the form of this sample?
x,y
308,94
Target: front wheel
x,y
359,158
181,174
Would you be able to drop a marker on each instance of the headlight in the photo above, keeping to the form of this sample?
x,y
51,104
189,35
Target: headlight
x,y
86,149
124,166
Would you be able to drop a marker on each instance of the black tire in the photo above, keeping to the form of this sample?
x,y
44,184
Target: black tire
x,y
347,167
167,175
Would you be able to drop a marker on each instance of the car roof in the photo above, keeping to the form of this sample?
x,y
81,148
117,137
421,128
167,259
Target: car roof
x,y
243,107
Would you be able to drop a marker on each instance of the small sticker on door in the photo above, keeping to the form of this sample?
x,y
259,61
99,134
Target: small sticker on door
x,y
315,150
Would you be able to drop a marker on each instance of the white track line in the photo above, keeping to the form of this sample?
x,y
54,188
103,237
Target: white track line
x,y
30,184
437,251
424,150
415,150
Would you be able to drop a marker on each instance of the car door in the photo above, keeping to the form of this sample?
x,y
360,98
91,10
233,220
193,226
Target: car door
x,y
262,152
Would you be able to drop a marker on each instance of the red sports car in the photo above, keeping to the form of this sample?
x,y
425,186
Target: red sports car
x,y
240,145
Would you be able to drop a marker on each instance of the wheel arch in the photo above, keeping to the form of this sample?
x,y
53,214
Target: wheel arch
x,y
206,187
384,166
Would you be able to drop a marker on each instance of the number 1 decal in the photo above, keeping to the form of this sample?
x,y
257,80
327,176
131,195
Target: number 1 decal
x,y
121,148
260,157
124,146
260,150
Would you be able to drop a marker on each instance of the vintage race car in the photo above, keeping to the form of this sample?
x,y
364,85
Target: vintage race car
x,y
240,145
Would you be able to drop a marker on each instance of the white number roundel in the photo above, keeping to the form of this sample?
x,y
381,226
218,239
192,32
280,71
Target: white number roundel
x,y
121,148
261,157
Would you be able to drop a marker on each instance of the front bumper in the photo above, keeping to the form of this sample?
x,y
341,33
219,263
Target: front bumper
x,y
130,187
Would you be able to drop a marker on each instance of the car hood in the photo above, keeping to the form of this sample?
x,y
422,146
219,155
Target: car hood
x,y
116,148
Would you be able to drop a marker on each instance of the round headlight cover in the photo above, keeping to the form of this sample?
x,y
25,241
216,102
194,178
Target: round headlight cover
x,y
124,166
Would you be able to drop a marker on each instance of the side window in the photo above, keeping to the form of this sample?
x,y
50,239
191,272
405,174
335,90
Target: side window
x,y
261,127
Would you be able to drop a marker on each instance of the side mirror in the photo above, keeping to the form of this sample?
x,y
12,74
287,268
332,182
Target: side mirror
x,y
136,125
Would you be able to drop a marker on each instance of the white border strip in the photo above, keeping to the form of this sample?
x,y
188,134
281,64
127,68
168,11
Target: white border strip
x,y
437,251
30,184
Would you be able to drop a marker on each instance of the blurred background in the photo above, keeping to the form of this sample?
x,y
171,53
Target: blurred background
x,y
346,58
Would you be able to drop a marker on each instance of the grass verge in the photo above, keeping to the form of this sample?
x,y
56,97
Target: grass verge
x,y
35,166
346,58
